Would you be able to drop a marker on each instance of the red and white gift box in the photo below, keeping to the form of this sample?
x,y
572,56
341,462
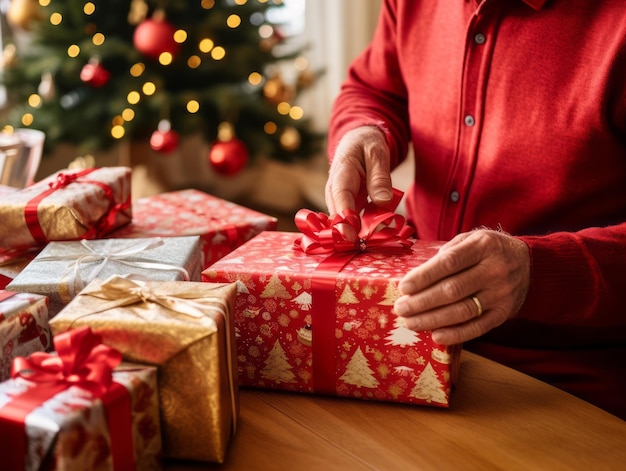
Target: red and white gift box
x,y
221,225
323,322
79,408
24,327
67,205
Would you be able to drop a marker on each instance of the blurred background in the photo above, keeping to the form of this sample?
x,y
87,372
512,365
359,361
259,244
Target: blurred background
x,y
231,97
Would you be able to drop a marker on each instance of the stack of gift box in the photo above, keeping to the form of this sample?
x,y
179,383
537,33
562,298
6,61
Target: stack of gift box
x,y
133,324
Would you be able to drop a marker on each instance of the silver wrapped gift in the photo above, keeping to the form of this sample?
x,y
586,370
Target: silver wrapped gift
x,y
62,269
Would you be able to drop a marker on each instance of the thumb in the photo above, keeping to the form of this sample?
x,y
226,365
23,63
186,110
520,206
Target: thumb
x,y
378,179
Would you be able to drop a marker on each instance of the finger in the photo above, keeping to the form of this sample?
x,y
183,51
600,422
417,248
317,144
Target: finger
x,y
449,315
444,264
378,180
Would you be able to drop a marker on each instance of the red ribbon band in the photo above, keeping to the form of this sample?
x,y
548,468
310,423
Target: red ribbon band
x,y
378,229
81,361
104,225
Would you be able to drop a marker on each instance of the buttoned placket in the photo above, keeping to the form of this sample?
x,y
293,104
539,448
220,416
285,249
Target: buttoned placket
x,y
478,50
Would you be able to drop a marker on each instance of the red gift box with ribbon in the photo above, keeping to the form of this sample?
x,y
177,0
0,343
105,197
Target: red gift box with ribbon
x,y
221,225
79,408
24,327
314,311
67,205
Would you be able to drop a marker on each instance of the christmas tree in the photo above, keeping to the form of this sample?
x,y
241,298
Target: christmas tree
x,y
95,73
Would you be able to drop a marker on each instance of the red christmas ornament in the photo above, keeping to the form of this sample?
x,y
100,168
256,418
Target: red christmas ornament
x,y
154,36
228,157
164,140
94,74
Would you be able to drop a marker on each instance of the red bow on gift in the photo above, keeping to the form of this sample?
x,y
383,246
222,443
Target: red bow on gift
x,y
63,179
81,360
376,228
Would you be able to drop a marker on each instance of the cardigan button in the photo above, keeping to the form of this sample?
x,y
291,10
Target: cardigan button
x,y
455,196
480,38
469,120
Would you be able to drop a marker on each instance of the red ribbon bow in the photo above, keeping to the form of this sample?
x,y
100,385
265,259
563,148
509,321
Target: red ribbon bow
x,y
62,180
376,228
81,360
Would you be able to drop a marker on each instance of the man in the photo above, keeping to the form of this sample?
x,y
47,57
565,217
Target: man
x,y
516,111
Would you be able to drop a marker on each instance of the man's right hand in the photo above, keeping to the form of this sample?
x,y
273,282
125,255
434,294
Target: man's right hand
x,y
360,168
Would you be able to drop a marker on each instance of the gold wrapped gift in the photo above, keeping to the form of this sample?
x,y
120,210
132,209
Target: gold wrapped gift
x,y
67,205
186,330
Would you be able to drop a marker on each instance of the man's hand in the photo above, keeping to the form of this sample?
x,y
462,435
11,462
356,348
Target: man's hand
x,y
360,168
492,266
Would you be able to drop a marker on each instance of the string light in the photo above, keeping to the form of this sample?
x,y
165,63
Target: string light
x,y
148,88
165,58
128,114
44,3
34,101
133,97
266,31
194,62
283,108
193,106
73,50
207,4
88,9
255,78
270,127
206,45
55,19
98,39
27,119
117,132
137,69
296,113
180,36
218,53
233,21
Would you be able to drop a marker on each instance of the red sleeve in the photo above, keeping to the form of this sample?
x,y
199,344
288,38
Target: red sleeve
x,y
374,92
576,277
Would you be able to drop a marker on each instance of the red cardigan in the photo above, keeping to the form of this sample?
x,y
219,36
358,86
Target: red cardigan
x,y
517,114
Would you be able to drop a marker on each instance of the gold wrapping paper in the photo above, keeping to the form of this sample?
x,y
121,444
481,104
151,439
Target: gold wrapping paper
x,y
69,212
186,330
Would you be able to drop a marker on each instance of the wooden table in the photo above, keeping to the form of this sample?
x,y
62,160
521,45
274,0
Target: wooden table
x,y
499,419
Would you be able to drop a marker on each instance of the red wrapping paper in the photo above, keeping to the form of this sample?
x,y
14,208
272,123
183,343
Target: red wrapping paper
x,y
104,420
221,225
282,313
24,327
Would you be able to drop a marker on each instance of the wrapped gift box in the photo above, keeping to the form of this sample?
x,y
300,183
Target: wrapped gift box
x,y
24,327
67,205
13,261
341,340
221,225
62,269
77,423
185,329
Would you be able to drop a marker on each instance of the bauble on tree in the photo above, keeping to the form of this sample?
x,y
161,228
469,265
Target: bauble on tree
x,y
164,139
94,74
228,155
154,36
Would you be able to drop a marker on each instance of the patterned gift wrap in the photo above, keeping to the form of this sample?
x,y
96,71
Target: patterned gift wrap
x,y
62,269
67,205
24,327
186,330
79,408
221,225
343,340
